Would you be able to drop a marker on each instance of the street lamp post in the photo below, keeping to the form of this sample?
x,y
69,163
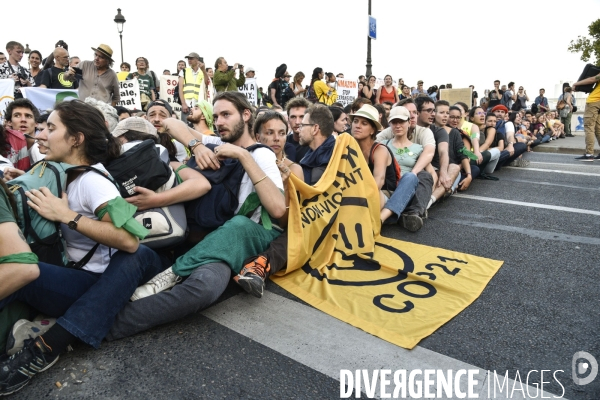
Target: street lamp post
x,y
368,73
120,20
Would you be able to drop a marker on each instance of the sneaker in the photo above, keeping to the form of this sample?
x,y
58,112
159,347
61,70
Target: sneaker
x,y
411,222
17,370
161,282
570,135
252,277
23,330
585,157
520,162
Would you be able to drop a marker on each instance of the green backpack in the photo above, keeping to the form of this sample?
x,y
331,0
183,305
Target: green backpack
x,y
43,236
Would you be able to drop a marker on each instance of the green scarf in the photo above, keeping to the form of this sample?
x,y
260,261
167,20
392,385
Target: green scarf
x,y
121,214
19,258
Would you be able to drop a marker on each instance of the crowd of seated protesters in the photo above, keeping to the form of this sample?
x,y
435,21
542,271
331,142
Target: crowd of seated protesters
x,y
419,151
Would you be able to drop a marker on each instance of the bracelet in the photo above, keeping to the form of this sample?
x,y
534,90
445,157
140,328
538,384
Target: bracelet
x,y
194,146
260,180
468,173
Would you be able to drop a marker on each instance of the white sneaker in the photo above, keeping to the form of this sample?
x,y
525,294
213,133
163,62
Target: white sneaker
x,y
161,282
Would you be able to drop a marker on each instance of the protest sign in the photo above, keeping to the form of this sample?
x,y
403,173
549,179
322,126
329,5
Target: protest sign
x,y
453,96
168,86
7,90
130,95
339,262
249,89
45,99
347,91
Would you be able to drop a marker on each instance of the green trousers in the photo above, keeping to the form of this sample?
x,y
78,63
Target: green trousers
x,y
232,243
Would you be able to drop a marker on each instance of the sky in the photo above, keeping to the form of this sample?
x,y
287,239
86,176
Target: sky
x,y
461,42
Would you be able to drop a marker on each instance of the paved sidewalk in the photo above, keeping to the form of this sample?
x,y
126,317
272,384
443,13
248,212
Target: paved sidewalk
x,y
570,145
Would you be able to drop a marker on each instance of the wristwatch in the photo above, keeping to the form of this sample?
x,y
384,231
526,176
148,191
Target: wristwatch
x,y
73,224
193,143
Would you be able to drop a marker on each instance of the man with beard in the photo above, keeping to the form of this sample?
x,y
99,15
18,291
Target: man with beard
x,y
158,111
201,116
296,108
208,265
316,134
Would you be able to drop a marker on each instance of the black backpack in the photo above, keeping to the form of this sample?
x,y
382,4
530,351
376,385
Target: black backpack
x,y
219,204
139,166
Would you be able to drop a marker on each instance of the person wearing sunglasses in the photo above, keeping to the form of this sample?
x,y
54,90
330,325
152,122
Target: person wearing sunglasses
x,y
99,81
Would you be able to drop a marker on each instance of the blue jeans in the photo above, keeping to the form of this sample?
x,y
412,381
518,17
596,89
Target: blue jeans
x,y
89,302
402,195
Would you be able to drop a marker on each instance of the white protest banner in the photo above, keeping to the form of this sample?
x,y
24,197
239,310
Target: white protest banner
x,y
7,90
250,90
347,91
44,99
168,86
130,95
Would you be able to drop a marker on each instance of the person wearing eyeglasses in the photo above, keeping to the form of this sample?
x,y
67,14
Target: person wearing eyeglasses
x,y
60,76
99,81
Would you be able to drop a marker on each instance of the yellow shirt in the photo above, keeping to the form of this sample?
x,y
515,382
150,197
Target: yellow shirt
x,y
594,96
321,90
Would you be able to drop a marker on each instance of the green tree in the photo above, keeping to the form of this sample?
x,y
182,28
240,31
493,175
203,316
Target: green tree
x,y
588,47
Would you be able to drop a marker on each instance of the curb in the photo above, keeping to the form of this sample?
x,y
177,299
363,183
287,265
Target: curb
x,y
556,150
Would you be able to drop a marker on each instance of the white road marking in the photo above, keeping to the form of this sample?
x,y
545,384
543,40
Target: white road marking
x,y
556,171
525,204
329,345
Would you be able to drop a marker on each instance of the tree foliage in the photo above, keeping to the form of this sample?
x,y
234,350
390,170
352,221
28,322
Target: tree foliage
x,y
588,47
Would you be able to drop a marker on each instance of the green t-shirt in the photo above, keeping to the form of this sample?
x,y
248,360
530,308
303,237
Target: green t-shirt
x,y
6,214
145,81
407,157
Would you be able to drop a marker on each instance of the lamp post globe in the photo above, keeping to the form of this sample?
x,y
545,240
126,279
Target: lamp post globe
x,y
120,21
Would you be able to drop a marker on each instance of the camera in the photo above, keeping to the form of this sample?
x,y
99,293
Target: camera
x,y
22,75
240,66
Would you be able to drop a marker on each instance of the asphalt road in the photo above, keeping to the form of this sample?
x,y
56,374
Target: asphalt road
x,y
539,309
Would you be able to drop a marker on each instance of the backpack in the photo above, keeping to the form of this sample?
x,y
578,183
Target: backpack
x,y
139,166
156,84
311,95
176,98
43,236
219,204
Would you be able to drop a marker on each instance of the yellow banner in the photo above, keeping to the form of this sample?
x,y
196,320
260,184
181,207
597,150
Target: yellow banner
x,y
339,263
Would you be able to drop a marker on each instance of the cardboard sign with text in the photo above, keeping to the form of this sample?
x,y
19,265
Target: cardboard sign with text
x,y
168,86
250,89
130,95
347,91
453,96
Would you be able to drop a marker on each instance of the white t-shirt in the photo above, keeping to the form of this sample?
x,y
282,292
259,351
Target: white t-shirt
x,y
86,193
265,159
181,151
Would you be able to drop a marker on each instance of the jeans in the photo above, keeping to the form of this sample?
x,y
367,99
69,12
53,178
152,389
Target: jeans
x,y
506,158
92,315
89,302
202,288
404,193
55,290
494,157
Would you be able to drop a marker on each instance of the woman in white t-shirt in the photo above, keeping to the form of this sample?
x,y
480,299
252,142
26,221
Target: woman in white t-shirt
x,y
97,226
